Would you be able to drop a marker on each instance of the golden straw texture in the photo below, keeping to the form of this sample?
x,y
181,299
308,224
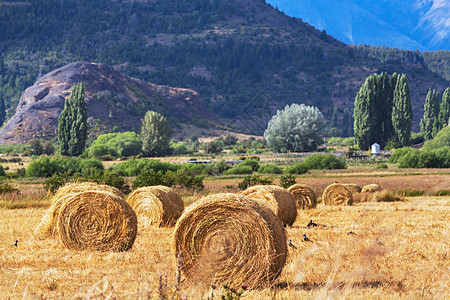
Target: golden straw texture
x,y
353,188
47,226
280,201
371,188
337,194
230,239
304,196
96,220
156,205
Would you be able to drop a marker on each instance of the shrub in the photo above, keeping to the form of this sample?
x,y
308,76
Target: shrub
x,y
133,167
115,179
255,179
7,187
270,169
299,168
253,163
397,154
324,162
43,167
287,180
382,166
239,170
53,183
2,171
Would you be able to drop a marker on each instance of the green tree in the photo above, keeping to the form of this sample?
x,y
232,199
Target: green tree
x,y
72,123
373,110
346,123
155,135
402,114
296,128
443,117
430,113
2,109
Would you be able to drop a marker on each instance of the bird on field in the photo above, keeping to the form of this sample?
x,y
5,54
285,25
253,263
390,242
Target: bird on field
x,y
311,224
351,233
291,244
306,239
13,245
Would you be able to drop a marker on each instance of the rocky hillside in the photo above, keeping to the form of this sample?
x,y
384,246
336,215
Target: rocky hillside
x,y
114,101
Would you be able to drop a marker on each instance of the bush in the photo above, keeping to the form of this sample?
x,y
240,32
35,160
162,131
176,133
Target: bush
x,y
119,144
2,171
7,187
133,167
53,183
324,162
287,181
382,166
270,169
397,154
239,170
299,168
46,167
115,179
442,139
254,179
413,158
182,177
254,164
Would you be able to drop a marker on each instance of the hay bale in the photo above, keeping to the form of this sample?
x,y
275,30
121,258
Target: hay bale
x,y
156,205
47,226
279,200
337,194
230,239
96,220
353,188
371,188
304,196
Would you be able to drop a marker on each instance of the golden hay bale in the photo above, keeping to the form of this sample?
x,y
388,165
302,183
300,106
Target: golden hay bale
x,y
371,188
279,200
229,238
337,194
47,226
354,188
96,220
156,205
304,196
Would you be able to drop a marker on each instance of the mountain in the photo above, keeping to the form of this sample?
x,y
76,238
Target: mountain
x,y
113,100
404,24
245,59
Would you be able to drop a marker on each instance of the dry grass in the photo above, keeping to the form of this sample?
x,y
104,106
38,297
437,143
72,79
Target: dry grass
x,y
399,250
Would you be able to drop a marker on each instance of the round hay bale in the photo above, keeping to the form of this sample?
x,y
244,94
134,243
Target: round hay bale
x,y
304,196
371,188
353,188
337,194
279,200
47,226
156,205
230,239
96,220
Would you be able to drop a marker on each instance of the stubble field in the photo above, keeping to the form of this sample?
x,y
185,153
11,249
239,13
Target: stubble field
x,y
396,250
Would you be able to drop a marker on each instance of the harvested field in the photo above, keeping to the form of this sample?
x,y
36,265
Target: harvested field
x,y
368,250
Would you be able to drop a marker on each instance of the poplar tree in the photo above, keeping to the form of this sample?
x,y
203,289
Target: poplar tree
x,y
72,123
443,117
430,113
2,110
364,113
155,135
346,123
402,114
